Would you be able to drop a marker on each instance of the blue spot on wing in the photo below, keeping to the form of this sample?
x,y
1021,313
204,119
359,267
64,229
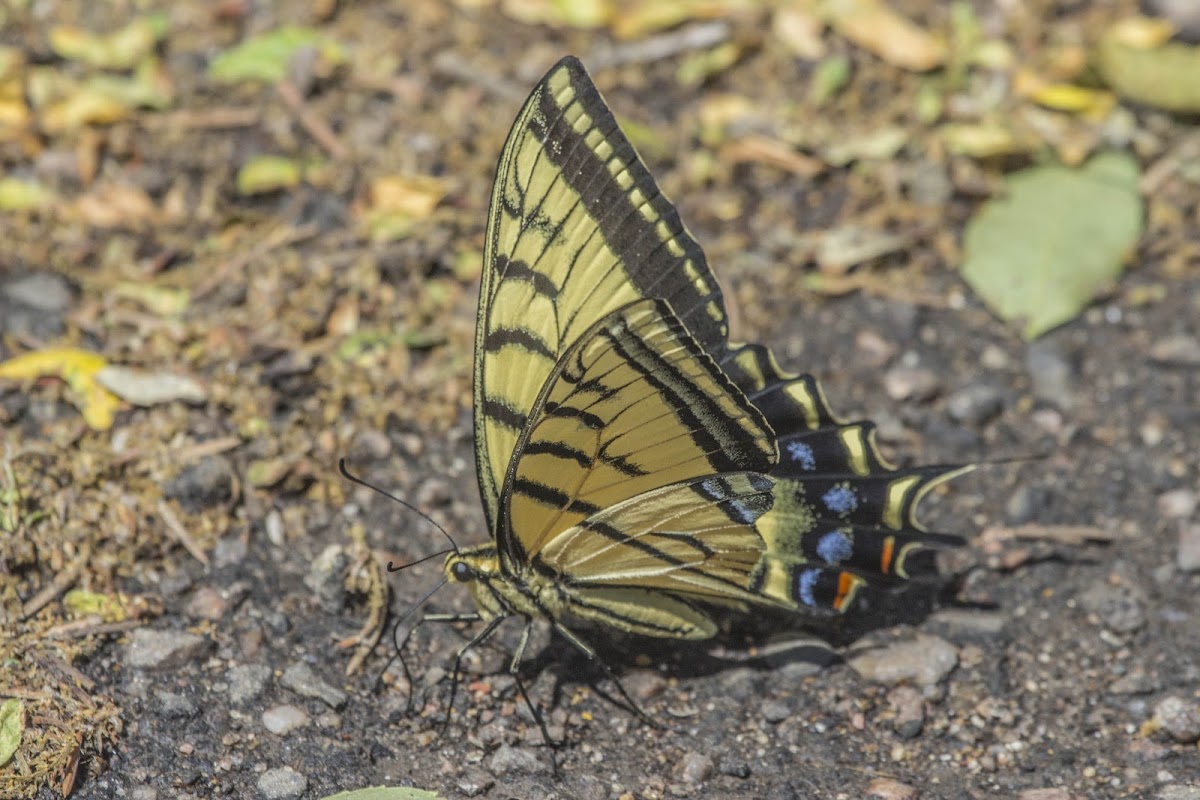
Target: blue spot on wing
x,y
841,499
802,455
835,547
806,583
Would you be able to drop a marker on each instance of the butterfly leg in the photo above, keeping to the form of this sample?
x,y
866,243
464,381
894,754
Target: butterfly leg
x,y
401,643
514,670
479,638
587,650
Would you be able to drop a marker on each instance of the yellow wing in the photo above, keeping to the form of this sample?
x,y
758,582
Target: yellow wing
x,y
577,229
633,406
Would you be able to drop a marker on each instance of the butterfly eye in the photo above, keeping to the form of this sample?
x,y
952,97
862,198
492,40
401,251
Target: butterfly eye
x,y
461,572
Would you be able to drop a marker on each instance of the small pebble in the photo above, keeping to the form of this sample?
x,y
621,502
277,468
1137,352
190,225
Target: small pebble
x,y
1049,793
40,291
975,404
246,681
207,483
911,383
370,445
1179,718
876,350
283,783
1137,681
909,707
1188,554
302,680
474,781
733,767
230,550
207,603
1177,503
1180,350
644,684
176,706
994,358
326,578
923,659
890,789
508,759
1051,373
775,711
282,720
695,768
1119,607
158,650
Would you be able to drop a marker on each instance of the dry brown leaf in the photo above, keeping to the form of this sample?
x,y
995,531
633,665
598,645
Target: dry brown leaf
x,y
875,26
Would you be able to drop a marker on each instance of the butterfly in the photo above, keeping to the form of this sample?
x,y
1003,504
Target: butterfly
x,y
638,469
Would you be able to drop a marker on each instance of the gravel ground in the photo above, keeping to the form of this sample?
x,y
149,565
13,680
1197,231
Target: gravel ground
x,y
1060,658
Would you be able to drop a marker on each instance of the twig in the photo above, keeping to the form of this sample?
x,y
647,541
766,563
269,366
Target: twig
x,y
656,48
176,529
62,581
317,128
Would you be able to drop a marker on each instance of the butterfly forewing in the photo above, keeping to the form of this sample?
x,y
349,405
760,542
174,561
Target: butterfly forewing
x,y
577,229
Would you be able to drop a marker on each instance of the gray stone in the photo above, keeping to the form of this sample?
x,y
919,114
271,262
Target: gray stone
x,y
1052,374
176,706
509,759
1178,350
1179,718
247,681
282,720
1188,554
975,404
283,783
923,660
157,650
695,768
1119,607
302,680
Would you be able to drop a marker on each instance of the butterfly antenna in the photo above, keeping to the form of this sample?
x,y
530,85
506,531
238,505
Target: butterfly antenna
x,y
355,479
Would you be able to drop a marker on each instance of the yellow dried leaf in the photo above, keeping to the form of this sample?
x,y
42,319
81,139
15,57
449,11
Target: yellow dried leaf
x,y
875,26
1141,33
982,140
641,19
799,31
78,368
161,300
114,205
414,195
1072,98
22,195
121,49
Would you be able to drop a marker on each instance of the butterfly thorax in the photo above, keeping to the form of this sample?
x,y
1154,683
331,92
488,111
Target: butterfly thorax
x,y
496,593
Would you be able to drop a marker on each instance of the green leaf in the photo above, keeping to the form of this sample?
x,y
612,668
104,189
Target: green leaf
x,y
266,57
21,195
1059,237
12,725
384,793
263,174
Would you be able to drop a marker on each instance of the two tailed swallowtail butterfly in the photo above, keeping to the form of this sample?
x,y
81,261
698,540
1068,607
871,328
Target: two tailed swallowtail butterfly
x,y
638,469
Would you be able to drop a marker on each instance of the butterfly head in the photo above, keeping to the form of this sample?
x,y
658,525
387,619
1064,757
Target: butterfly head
x,y
479,568
472,564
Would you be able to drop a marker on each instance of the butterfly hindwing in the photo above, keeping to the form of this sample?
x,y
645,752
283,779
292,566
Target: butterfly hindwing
x,y
634,405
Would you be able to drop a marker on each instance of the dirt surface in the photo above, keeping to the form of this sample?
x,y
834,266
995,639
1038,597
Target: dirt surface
x,y
333,317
